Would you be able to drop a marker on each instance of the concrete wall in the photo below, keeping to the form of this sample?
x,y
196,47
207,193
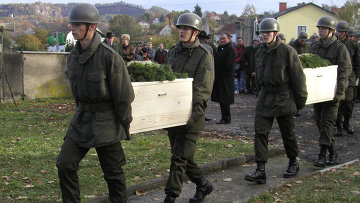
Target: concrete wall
x,y
44,75
11,80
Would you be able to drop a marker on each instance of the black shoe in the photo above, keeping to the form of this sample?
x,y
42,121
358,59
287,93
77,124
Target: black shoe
x,y
297,113
169,199
259,176
222,121
207,119
332,158
321,161
338,132
292,169
202,190
349,129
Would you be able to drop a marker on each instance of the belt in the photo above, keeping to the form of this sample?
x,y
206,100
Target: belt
x,y
94,107
275,89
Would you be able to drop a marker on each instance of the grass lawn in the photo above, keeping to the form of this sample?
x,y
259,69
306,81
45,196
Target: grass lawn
x,y
31,137
337,185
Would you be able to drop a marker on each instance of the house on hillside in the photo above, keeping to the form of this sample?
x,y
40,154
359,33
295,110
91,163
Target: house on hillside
x,y
156,21
302,17
166,31
214,16
231,28
144,24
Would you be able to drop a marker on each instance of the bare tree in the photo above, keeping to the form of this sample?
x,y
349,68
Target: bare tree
x,y
249,11
350,12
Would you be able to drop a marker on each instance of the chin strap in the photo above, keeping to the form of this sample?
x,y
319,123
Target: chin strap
x,y
87,29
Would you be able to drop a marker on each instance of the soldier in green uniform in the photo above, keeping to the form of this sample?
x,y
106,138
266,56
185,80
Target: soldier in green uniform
x,y
333,50
300,44
189,56
282,91
346,106
103,94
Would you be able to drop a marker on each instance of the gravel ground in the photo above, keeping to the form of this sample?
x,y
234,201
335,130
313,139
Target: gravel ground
x,y
243,109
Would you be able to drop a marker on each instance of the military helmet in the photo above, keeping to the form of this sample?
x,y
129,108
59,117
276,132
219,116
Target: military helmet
x,y
357,33
326,21
351,31
269,25
189,19
203,35
110,35
281,36
84,13
342,26
302,35
314,36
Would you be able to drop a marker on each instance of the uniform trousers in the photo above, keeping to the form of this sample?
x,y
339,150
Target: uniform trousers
x,y
346,107
263,126
325,114
183,146
111,158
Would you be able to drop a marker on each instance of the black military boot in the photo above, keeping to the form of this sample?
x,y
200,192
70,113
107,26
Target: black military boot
x,y
347,127
169,199
259,176
332,159
202,189
322,156
292,170
338,132
297,113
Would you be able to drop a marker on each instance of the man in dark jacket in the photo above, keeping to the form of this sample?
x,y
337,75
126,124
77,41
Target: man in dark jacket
x,y
248,62
346,106
331,49
103,94
283,89
160,54
223,90
189,56
110,36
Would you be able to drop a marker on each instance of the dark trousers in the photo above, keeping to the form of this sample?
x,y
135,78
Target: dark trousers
x,y
325,114
263,126
346,107
225,112
111,159
183,145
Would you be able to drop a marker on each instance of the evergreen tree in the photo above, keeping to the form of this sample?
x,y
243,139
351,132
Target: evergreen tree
x,y
197,10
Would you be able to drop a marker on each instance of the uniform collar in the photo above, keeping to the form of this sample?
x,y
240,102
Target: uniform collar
x,y
326,43
85,54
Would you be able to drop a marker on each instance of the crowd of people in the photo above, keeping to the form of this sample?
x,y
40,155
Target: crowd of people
x,y
269,69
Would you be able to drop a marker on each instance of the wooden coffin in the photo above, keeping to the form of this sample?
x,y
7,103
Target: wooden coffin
x,y
321,83
160,105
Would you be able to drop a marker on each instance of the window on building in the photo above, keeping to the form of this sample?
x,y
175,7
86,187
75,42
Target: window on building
x,y
301,28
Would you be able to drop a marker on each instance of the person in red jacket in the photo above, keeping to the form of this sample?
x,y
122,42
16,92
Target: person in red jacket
x,y
240,81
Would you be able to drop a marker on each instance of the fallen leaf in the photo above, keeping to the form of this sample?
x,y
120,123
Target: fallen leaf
x,y
5,177
15,173
29,186
137,177
298,181
229,146
43,171
158,176
140,192
89,196
25,178
288,185
355,192
44,197
18,139
156,199
227,179
168,170
6,183
50,181
356,173
21,197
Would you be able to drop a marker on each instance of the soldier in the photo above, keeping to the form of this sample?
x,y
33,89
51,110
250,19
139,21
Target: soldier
x,y
282,37
346,106
351,33
331,49
300,44
103,95
301,47
314,39
189,56
283,90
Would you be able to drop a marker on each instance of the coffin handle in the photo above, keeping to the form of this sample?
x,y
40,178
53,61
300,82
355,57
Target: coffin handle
x,y
162,94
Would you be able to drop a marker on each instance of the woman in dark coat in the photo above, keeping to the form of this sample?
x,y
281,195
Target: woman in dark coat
x,y
223,89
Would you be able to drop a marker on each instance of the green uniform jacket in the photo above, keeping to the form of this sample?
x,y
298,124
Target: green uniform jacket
x,y
282,80
103,93
336,52
300,48
198,63
354,52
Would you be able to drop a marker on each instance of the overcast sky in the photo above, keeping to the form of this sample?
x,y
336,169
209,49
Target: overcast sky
x,y
219,6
